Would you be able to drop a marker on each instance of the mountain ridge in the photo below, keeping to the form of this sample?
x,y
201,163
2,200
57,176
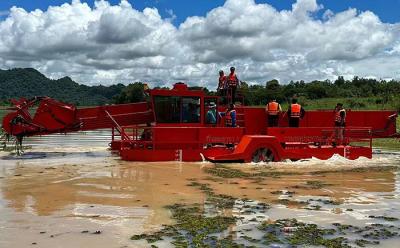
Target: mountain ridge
x,y
29,82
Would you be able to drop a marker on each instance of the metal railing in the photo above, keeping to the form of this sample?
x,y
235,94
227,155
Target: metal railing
x,y
136,136
323,136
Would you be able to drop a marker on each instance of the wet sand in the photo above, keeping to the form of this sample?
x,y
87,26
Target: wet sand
x,y
70,191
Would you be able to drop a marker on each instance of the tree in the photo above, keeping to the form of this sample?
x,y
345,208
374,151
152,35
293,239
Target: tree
x,y
340,81
316,91
274,91
132,93
272,85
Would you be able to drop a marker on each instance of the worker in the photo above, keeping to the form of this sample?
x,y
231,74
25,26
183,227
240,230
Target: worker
x,y
273,109
194,113
230,116
340,115
147,133
221,84
232,83
295,113
211,114
340,123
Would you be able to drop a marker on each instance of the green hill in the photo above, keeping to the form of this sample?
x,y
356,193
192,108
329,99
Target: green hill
x,y
357,93
28,82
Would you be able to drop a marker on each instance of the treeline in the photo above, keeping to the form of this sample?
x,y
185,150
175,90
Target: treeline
x,y
383,91
358,93
15,83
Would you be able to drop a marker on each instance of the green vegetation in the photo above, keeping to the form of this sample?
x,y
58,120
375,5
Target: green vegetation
x,y
15,83
316,184
192,227
131,93
210,225
387,218
224,171
304,234
391,144
358,93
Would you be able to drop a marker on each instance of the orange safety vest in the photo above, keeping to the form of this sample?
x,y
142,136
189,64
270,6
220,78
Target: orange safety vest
x,y
273,108
228,118
295,110
232,80
338,117
221,82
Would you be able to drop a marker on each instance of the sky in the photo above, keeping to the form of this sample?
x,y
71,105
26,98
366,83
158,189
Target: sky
x,y
165,41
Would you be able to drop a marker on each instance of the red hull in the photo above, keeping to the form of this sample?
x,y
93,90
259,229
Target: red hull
x,y
174,126
243,152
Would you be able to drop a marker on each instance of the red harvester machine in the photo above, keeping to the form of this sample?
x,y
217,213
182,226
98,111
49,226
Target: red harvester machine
x,y
174,126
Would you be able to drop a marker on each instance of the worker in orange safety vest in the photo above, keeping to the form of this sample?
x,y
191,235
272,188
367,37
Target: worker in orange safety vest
x,y
221,84
273,110
232,83
295,113
340,115
230,116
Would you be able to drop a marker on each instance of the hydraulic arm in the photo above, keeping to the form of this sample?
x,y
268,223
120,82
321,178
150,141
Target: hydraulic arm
x,y
44,115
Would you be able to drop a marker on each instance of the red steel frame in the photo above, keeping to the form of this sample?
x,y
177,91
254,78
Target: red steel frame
x,y
316,136
196,141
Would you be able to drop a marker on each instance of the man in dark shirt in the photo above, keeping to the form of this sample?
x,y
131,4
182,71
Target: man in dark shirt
x,y
339,123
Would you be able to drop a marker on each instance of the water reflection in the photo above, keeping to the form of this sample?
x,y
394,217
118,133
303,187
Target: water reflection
x,y
53,188
85,185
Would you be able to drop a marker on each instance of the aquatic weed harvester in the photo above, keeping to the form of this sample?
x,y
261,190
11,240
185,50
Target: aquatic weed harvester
x,y
173,126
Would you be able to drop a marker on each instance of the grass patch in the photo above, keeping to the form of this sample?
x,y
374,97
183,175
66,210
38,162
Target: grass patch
x,y
390,144
359,169
359,103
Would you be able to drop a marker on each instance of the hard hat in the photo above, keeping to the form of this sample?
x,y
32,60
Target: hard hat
x,y
232,68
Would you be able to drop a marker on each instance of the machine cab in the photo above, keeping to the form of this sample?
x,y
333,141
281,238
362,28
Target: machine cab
x,y
183,107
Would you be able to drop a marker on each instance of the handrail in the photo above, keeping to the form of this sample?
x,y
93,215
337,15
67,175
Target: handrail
x,y
117,126
134,140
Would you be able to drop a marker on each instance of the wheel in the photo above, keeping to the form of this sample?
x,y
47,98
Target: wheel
x,y
263,155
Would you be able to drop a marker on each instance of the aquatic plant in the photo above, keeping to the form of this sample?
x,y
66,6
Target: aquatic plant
x,y
387,218
224,171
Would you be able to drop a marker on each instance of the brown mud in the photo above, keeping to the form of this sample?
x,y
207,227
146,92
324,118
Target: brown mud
x,y
69,191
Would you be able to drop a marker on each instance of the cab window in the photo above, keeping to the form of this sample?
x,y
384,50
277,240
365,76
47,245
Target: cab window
x,y
176,109
167,109
191,109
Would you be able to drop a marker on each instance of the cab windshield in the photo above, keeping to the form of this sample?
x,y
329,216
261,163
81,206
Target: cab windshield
x,y
177,109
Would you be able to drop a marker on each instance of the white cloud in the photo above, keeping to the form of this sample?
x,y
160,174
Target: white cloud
x,y
117,43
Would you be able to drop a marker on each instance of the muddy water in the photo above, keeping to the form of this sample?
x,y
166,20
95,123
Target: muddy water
x,y
70,191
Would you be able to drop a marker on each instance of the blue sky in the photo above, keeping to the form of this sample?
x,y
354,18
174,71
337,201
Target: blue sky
x,y
387,10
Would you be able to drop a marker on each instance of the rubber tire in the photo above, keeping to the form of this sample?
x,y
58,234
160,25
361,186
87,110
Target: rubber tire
x,y
263,155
